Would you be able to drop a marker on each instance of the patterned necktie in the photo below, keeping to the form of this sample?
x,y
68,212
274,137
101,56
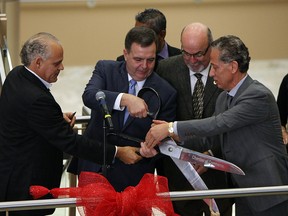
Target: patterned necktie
x,y
198,96
131,90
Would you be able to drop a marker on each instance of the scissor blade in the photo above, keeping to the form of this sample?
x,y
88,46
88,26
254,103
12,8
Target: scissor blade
x,y
170,148
210,162
195,180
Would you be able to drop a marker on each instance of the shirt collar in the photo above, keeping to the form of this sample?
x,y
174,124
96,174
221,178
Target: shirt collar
x,y
234,90
205,72
164,52
139,83
48,85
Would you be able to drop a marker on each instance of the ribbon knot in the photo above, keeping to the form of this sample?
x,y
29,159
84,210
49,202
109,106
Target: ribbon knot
x,y
126,201
97,197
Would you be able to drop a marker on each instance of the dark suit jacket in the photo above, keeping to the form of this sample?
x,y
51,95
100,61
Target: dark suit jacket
x,y
176,72
251,138
33,136
172,51
282,100
112,78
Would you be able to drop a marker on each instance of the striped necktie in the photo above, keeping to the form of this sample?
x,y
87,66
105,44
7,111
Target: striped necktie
x,y
198,97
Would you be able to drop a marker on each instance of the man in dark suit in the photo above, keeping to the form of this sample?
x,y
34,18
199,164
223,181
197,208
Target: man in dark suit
x,y
33,132
179,72
282,102
113,77
155,19
247,123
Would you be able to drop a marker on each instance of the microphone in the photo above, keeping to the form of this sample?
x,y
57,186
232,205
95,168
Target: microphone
x,y
100,96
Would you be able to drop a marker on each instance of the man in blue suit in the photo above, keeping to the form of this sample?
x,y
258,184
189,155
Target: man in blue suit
x,y
113,77
156,20
247,124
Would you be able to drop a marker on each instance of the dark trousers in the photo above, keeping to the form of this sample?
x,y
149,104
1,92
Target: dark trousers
x,y
198,207
242,209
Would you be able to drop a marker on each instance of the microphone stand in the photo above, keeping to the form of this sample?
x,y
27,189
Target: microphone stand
x,y
104,167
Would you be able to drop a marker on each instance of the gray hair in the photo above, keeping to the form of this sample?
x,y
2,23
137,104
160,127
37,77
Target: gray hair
x,y
35,46
233,49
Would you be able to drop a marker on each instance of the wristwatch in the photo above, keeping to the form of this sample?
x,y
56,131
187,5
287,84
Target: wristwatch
x,y
170,128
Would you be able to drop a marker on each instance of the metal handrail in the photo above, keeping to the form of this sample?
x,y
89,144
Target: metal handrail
x,y
7,56
82,119
176,195
2,70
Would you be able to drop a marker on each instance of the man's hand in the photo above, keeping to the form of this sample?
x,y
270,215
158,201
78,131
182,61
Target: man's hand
x,y
284,135
157,132
128,154
147,152
70,118
135,105
199,168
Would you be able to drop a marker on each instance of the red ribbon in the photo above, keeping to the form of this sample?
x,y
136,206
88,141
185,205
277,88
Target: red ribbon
x,y
96,196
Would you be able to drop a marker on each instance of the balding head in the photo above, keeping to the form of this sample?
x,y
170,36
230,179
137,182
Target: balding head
x,y
195,34
195,43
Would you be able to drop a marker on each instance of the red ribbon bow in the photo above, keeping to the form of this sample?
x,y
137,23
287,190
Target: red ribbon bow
x,y
96,196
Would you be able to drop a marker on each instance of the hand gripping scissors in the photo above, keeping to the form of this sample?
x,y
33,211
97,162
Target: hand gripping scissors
x,y
185,159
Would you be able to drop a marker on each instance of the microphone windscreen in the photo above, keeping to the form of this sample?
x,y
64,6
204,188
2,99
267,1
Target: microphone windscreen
x,y
100,95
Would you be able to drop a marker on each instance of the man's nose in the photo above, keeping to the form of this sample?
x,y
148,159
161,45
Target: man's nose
x,y
145,63
61,66
193,59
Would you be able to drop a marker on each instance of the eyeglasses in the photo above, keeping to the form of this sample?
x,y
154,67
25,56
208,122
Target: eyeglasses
x,y
195,55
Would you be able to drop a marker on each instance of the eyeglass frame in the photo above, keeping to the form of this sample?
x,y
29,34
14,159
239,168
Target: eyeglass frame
x,y
195,55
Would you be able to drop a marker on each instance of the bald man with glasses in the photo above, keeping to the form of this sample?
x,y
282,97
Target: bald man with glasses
x,y
188,73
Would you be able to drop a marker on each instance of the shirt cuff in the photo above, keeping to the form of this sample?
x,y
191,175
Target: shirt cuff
x,y
118,102
175,128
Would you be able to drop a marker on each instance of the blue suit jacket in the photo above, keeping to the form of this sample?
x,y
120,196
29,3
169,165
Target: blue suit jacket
x,y
111,77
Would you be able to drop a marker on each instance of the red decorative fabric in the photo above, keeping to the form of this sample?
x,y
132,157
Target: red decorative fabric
x,y
96,196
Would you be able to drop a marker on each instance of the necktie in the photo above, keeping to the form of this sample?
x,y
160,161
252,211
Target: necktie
x,y
229,100
198,96
131,90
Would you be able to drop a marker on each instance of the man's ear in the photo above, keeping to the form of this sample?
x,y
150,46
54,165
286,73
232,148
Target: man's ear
x,y
38,62
234,66
162,34
125,53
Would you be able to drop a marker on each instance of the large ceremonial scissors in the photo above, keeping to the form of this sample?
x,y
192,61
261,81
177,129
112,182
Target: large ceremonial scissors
x,y
184,158
170,148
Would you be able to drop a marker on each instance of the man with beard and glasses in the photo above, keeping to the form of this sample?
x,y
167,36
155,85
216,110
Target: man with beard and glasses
x,y
189,75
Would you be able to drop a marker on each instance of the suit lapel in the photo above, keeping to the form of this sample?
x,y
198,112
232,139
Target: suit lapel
x,y
247,82
185,86
209,90
123,86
